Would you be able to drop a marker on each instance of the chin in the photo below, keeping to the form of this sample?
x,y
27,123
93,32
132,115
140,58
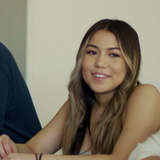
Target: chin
x,y
102,91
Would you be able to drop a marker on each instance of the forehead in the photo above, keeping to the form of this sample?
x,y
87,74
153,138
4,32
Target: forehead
x,y
104,38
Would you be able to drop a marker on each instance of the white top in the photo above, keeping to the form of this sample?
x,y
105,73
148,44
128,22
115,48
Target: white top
x,y
85,152
150,147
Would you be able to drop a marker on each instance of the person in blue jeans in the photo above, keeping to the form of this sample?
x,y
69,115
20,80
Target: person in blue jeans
x,y
18,117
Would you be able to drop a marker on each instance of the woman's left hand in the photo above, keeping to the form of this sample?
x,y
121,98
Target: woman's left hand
x,y
152,158
20,156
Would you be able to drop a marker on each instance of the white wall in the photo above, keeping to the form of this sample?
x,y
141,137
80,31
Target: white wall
x,y
13,29
55,29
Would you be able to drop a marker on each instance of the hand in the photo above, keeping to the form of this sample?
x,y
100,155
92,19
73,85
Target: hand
x,y
7,146
152,158
19,156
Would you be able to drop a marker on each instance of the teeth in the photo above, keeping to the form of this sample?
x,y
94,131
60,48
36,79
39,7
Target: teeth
x,y
99,76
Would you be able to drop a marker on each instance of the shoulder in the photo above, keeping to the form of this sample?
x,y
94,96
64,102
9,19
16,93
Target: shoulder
x,y
6,57
4,52
145,93
144,103
145,90
7,61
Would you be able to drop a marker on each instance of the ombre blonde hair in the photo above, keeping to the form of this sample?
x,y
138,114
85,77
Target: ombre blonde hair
x,y
81,97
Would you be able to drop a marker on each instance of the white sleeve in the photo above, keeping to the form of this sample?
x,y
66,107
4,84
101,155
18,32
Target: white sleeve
x,y
150,147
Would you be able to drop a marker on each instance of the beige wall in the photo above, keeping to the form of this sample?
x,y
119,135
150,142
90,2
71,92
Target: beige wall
x,y
55,29
13,29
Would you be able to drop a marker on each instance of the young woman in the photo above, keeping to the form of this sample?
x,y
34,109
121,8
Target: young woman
x,y
107,112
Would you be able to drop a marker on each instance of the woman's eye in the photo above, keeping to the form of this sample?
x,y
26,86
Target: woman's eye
x,y
114,55
91,52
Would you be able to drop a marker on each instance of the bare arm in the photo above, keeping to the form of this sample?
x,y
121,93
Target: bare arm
x,y
152,158
48,140
141,121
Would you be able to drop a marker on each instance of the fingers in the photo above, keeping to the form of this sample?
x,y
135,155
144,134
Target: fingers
x,y
7,146
2,148
19,156
9,157
152,158
12,145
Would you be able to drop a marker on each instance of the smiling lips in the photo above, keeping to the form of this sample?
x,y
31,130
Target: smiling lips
x,y
100,76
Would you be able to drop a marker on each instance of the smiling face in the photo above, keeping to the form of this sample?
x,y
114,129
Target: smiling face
x,y
103,65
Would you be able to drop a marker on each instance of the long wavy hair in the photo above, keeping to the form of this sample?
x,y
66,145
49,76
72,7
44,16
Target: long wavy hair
x,y
81,97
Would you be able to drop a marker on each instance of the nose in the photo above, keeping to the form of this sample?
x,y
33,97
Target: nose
x,y
101,61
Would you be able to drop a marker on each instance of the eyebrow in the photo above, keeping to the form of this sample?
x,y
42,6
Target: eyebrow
x,y
92,45
111,48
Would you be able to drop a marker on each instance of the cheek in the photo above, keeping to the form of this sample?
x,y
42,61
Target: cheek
x,y
86,65
84,75
84,69
121,69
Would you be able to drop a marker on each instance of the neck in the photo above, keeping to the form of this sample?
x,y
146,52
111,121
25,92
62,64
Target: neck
x,y
102,100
